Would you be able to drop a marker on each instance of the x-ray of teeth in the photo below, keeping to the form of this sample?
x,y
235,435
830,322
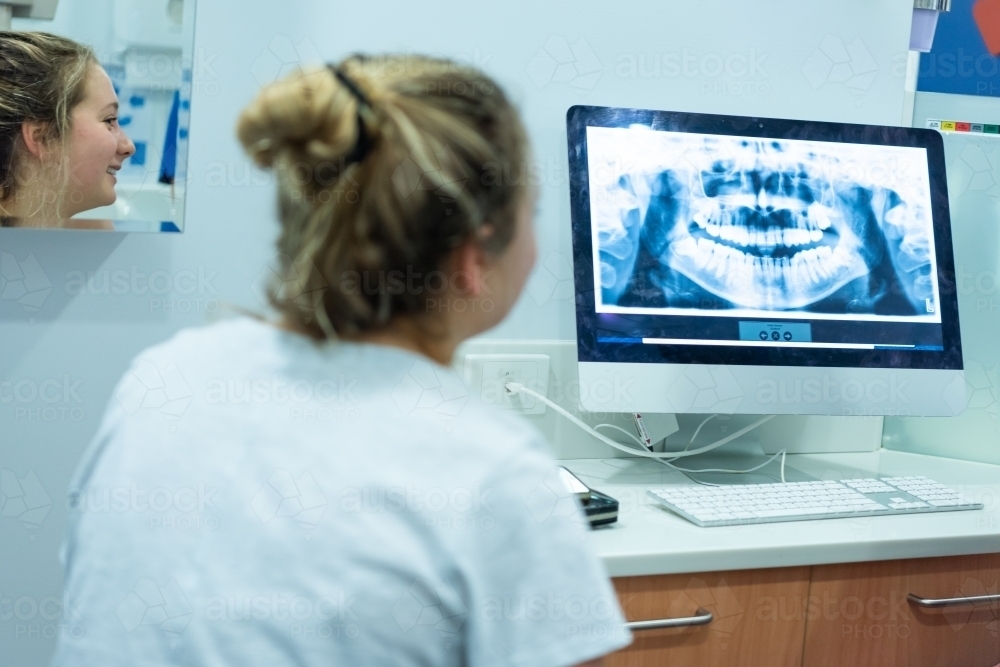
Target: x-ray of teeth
x,y
708,223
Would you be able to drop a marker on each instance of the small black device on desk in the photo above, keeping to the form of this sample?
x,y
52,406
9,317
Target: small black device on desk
x,y
600,508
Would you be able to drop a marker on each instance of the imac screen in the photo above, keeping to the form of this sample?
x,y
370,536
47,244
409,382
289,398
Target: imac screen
x,y
721,240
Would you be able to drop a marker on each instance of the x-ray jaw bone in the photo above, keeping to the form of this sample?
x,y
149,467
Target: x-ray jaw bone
x,y
769,225
619,222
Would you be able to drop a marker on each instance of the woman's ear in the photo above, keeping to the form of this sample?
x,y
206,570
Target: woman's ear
x,y
469,262
33,133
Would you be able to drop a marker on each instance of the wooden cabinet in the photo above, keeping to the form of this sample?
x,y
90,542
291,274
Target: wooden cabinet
x,y
859,614
739,633
855,615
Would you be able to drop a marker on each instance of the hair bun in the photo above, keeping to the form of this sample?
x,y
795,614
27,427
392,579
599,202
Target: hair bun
x,y
308,116
424,135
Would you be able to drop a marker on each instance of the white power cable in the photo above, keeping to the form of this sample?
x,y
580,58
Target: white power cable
x,y
734,472
698,430
518,388
619,428
689,470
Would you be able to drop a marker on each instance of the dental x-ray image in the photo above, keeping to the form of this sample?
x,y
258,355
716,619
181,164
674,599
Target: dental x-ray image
x,y
711,224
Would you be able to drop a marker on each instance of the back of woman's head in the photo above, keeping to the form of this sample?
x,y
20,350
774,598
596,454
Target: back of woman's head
x,y
384,165
42,77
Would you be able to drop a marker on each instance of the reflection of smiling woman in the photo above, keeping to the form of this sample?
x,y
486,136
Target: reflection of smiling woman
x,y
60,142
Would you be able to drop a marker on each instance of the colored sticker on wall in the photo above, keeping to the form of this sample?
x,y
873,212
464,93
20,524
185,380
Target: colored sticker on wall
x,y
961,126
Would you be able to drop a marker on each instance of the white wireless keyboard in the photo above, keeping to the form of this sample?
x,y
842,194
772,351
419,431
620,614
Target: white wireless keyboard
x,y
801,501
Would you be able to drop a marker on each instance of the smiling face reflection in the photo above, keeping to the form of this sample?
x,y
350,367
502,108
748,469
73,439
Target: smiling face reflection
x,y
96,147
61,177
65,160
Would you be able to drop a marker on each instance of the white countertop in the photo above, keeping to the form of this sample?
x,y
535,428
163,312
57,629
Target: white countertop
x,y
648,539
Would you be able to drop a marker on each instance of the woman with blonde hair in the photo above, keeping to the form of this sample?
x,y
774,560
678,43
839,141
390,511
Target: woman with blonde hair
x,y
326,491
60,143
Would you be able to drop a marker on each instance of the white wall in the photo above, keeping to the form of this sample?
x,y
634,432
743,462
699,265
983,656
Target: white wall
x,y
974,193
811,59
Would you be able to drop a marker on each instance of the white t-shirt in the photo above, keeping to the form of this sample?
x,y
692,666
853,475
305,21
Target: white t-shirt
x,y
253,498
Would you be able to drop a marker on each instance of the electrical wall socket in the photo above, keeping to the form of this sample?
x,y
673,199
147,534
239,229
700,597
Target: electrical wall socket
x,y
487,373
562,386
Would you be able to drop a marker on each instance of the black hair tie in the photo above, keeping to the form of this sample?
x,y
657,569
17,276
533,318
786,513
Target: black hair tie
x,y
364,143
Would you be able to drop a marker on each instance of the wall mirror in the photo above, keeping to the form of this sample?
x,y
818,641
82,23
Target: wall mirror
x,y
116,160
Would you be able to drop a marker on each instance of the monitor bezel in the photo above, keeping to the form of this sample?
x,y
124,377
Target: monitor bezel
x,y
579,117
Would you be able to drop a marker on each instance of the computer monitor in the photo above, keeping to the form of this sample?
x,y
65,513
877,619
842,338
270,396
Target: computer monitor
x,y
726,264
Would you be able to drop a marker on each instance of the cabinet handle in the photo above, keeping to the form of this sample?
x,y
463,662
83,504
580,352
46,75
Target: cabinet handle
x,y
929,603
703,618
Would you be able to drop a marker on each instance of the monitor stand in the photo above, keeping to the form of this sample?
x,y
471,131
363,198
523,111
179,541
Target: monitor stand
x,y
744,457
